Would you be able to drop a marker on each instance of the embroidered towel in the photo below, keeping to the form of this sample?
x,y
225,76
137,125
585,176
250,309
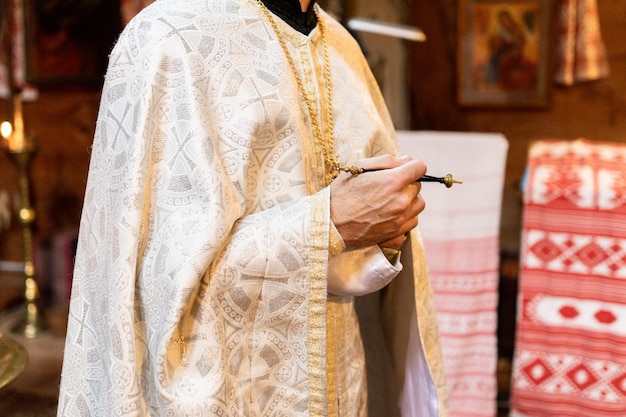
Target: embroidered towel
x,y
460,228
569,357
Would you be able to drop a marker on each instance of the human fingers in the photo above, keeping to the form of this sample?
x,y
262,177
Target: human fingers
x,y
405,227
394,243
420,204
406,216
381,162
411,171
398,179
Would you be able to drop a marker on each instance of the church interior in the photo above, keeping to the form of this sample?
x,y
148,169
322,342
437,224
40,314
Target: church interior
x,y
527,256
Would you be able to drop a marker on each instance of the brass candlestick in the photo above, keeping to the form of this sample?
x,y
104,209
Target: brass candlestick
x,y
33,323
21,149
13,359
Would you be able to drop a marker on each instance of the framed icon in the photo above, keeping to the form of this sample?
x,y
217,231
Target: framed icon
x,y
503,53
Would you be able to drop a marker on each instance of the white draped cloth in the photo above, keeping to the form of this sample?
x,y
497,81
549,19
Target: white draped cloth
x,y
461,230
200,285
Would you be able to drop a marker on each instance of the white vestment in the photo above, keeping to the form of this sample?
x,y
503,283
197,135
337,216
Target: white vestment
x,y
200,285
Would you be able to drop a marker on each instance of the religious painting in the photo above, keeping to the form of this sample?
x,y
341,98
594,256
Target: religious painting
x,y
503,53
68,41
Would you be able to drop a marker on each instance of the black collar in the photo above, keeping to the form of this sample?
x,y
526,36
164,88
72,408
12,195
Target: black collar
x,y
291,12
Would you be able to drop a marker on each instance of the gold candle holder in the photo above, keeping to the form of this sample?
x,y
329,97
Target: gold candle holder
x,y
21,150
33,323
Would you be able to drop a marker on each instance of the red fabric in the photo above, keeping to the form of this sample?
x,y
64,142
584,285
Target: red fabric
x,y
464,276
13,33
581,55
570,357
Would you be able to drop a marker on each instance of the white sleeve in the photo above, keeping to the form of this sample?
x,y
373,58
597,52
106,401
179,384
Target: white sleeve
x,y
360,271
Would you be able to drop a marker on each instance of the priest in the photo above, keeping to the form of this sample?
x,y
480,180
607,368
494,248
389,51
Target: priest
x,y
233,257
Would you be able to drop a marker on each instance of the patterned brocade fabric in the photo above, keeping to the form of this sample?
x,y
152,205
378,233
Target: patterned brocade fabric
x,y
570,358
200,284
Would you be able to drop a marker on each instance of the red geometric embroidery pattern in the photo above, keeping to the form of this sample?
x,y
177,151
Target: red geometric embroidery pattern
x,y
591,254
573,375
582,377
568,312
569,356
571,173
584,315
620,384
606,317
537,371
546,250
580,254
563,181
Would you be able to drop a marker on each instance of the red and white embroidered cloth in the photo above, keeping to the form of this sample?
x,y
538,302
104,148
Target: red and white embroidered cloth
x,y
581,54
460,229
570,357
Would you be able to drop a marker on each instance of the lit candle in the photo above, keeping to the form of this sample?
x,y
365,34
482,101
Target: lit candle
x,y
17,141
14,141
5,130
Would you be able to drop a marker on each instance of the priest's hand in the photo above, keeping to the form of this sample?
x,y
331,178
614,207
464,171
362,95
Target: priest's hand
x,y
378,207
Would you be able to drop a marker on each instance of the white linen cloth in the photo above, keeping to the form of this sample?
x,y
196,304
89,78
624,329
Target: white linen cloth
x,y
460,228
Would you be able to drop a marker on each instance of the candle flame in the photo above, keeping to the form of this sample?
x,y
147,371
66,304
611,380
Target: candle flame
x,y
6,129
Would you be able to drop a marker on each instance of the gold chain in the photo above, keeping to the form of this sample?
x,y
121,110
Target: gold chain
x,y
333,167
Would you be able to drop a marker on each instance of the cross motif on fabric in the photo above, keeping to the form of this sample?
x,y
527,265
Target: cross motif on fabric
x,y
182,344
119,122
82,323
